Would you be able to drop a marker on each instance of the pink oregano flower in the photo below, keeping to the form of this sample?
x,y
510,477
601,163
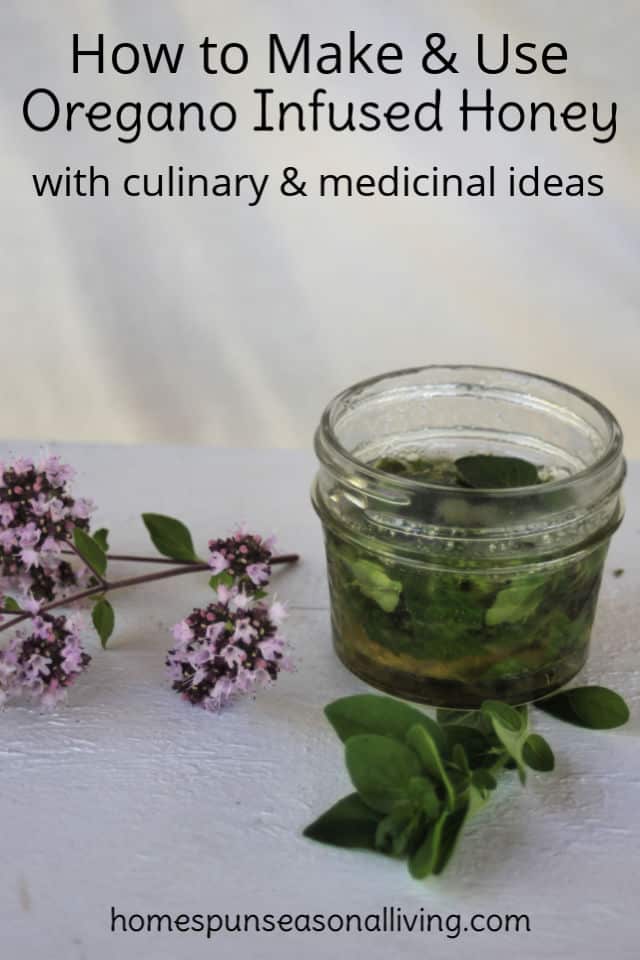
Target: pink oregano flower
x,y
222,650
234,645
43,661
244,557
37,517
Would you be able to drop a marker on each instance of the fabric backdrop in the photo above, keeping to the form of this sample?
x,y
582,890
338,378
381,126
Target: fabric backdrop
x,y
206,321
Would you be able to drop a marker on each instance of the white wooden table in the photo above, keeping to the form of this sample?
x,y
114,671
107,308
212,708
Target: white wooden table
x,y
130,798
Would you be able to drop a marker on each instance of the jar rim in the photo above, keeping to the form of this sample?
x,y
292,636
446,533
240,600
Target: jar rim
x,y
329,447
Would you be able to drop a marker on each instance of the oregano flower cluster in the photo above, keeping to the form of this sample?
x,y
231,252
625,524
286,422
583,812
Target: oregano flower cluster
x,y
244,558
37,516
43,661
231,646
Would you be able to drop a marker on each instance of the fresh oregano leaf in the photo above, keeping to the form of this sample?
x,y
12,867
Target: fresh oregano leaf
x,y
423,861
459,758
511,730
516,602
426,747
170,537
537,753
483,779
596,708
11,605
104,620
449,719
380,769
405,838
349,823
403,811
477,745
386,830
486,472
374,583
507,715
101,537
93,555
369,713
438,845
422,792
446,716
398,829
449,835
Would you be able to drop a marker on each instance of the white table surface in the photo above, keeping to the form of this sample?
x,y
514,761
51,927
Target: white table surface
x,y
129,797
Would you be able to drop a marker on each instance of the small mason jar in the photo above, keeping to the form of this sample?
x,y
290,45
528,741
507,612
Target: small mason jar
x,y
451,595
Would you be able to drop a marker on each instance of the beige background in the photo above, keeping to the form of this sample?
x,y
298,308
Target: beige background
x,y
205,321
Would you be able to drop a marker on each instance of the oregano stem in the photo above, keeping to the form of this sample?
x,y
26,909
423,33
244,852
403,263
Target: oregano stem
x,y
135,558
108,586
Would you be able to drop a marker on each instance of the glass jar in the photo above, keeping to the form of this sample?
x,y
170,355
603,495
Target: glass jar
x,y
451,595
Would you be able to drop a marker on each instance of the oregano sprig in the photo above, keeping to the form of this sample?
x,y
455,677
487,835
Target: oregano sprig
x,y
419,780
41,522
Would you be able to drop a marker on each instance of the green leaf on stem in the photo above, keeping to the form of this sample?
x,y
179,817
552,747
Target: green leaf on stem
x,y
101,537
487,472
438,845
537,753
510,728
449,836
92,554
483,779
349,823
508,716
406,837
398,830
380,769
460,760
596,708
427,748
369,713
11,605
170,537
477,745
104,619
423,861
423,793
447,716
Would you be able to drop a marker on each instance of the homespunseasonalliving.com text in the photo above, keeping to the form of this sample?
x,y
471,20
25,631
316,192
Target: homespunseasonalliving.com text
x,y
389,920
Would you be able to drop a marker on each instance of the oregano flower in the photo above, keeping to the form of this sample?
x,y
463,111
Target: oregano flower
x,y
43,661
230,647
243,558
37,516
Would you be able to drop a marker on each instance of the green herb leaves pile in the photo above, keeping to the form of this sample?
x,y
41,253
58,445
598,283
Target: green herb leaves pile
x,y
417,780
